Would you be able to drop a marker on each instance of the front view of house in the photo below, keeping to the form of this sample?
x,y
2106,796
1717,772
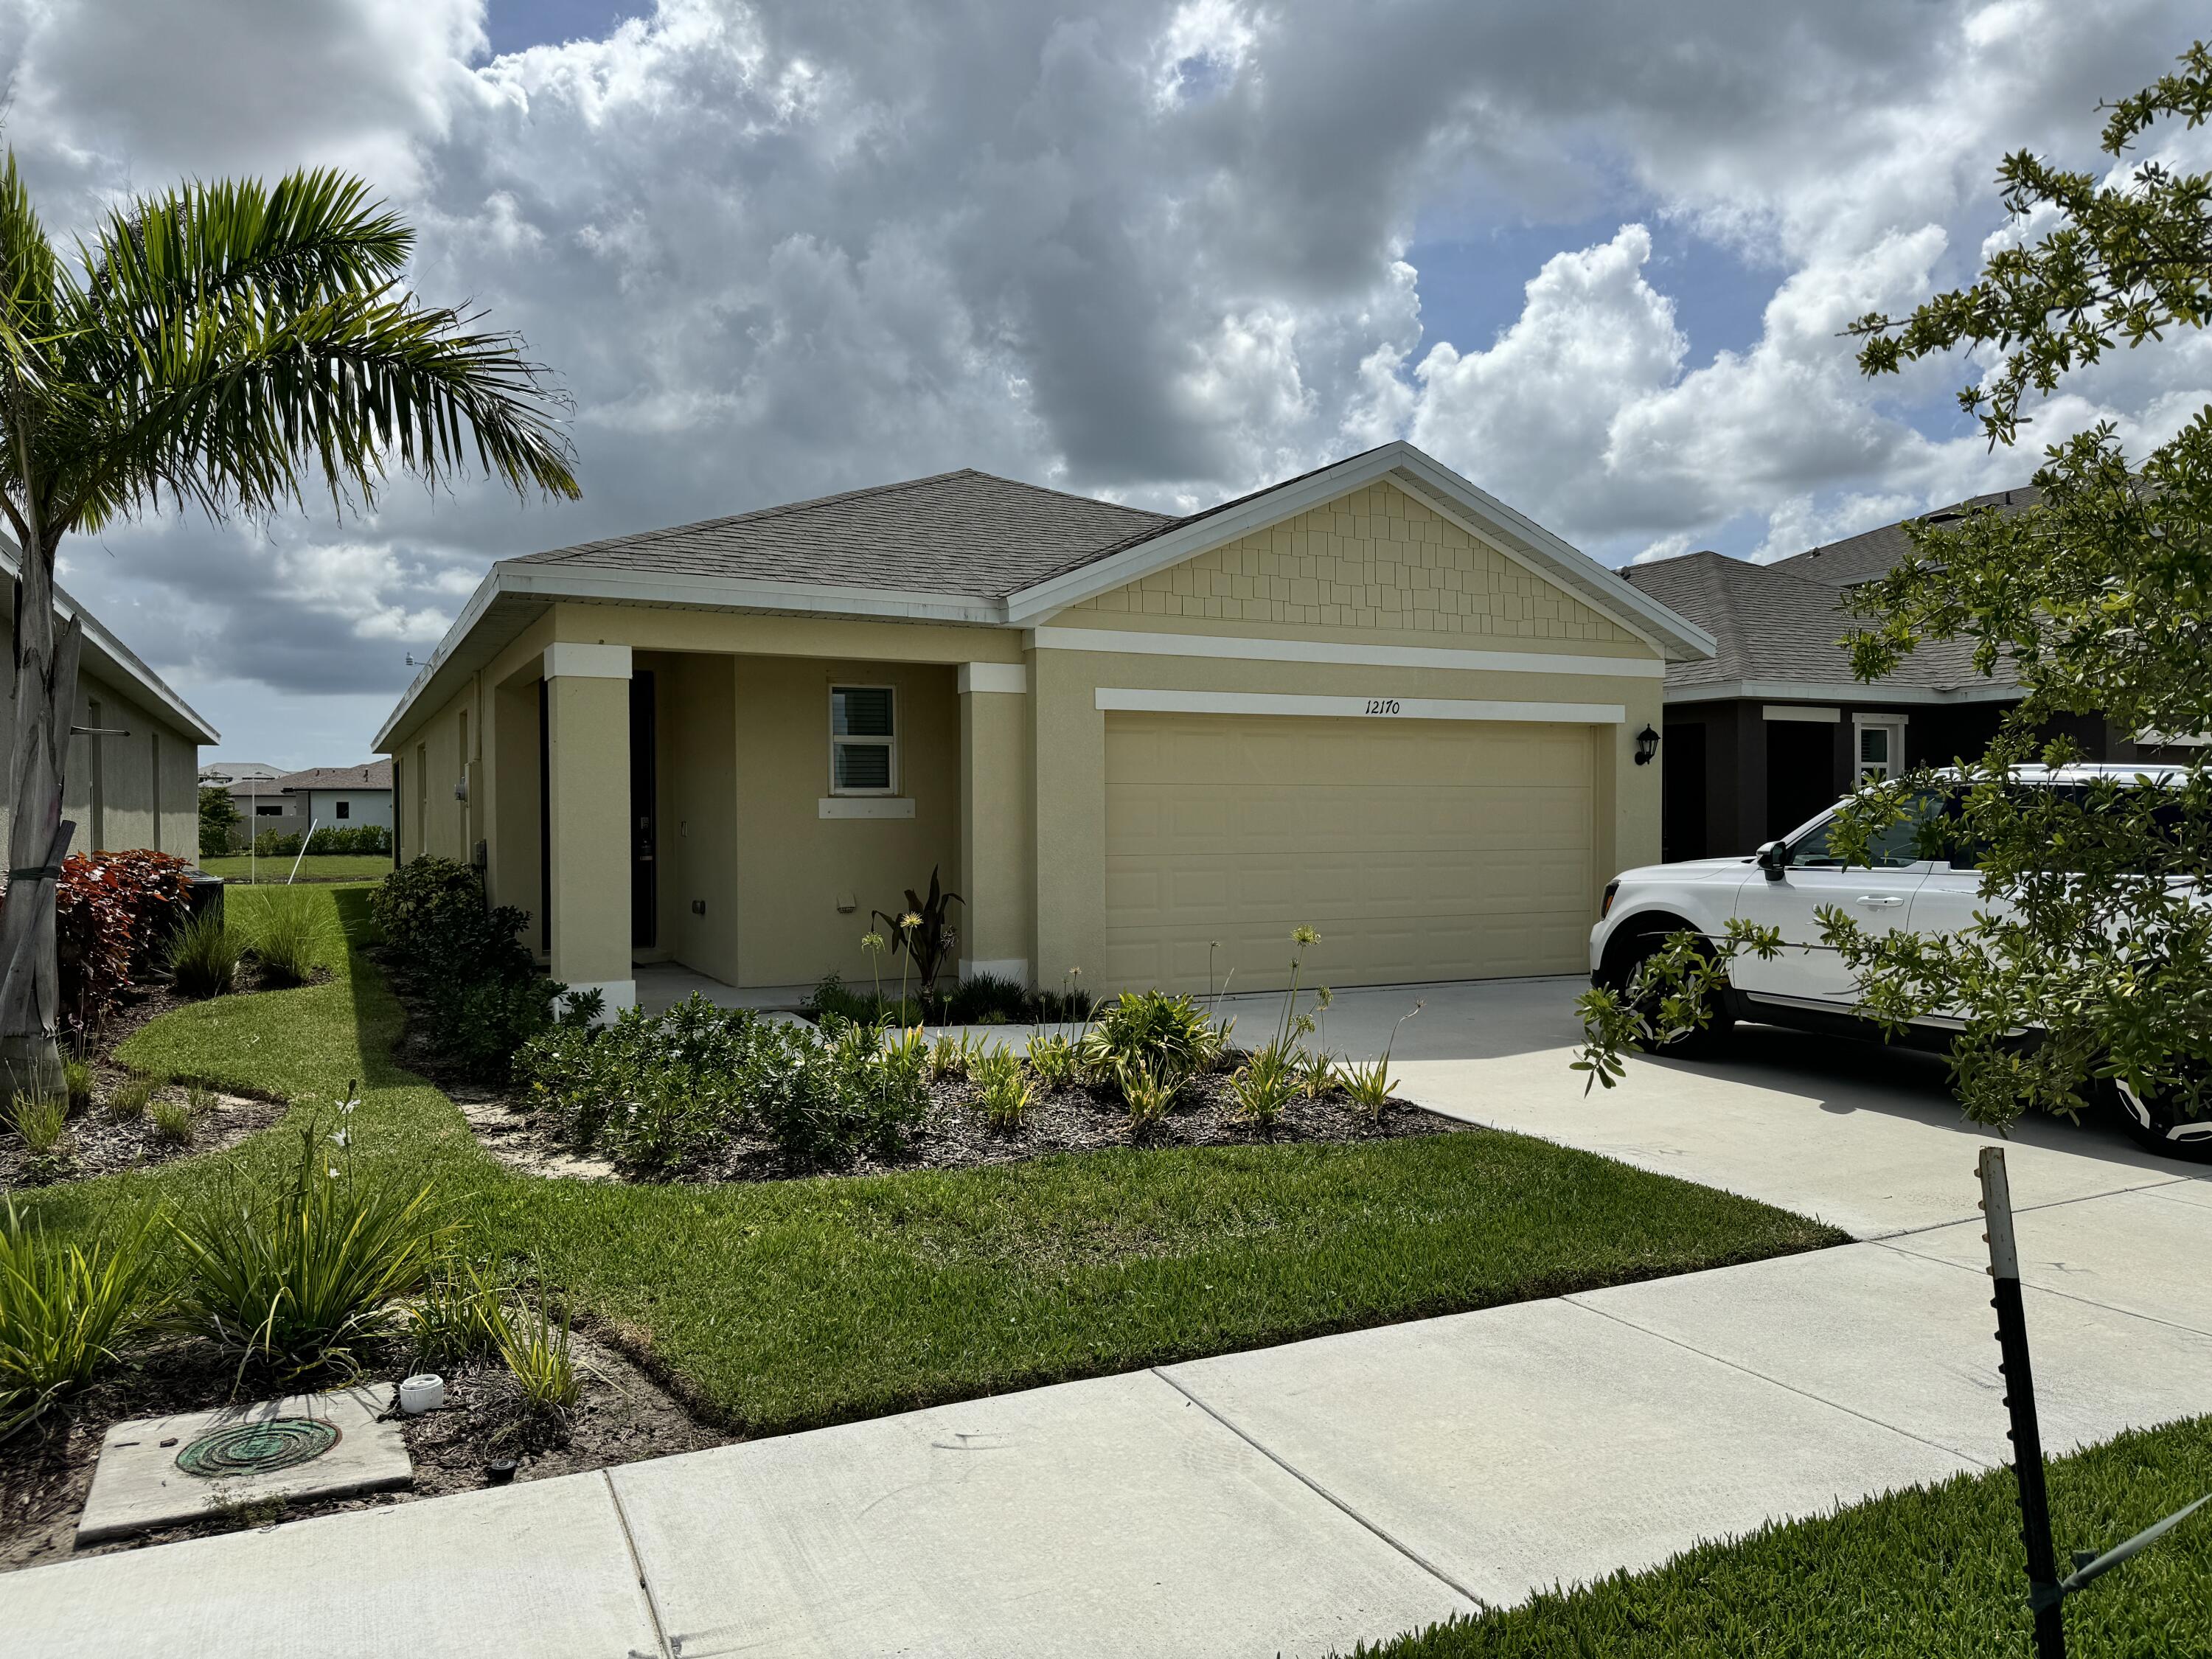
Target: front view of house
x,y
1372,699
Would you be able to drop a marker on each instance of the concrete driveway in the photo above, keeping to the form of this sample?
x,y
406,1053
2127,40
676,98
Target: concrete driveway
x,y
1865,1137
1301,1499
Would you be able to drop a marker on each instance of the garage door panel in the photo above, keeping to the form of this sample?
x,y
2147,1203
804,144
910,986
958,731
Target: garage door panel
x,y
1423,850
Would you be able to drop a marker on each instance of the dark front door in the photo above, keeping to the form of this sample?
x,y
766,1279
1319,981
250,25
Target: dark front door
x,y
1682,791
644,884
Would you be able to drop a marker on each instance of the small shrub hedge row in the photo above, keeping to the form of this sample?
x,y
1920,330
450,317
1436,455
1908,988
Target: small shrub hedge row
x,y
485,997
359,839
985,1000
115,914
662,1092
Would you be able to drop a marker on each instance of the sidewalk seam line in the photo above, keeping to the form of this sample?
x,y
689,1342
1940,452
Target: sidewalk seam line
x,y
1326,1496
2150,1187
637,1566
2066,1296
1776,1381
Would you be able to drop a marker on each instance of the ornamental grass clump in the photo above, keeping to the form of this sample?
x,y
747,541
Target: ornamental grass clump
x,y
131,1098
41,1123
173,1122
1052,1060
65,1311
77,1084
285,933
1149,1090
457,1316
1264,1085
205,955
1168,1035
535,1348
1004,1089
297,1274
1370,1083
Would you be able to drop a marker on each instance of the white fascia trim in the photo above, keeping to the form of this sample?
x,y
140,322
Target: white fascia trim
x,y
567,659
552,583
1783,711
1605,588
1371,656
1879,717
1010,676
1146,700
117,660
1914,695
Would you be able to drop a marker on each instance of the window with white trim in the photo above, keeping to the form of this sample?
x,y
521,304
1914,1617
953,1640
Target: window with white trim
x,y
863,740
1880,749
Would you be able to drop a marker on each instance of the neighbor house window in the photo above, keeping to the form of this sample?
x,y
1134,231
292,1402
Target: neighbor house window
x,y
1882,749
863,740
345,809
276,812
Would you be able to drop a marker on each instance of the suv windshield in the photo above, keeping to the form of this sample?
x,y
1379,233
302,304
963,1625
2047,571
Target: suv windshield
x,y
1895,848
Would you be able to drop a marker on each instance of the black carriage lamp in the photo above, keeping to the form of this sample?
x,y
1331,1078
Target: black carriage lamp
x,y
1647,745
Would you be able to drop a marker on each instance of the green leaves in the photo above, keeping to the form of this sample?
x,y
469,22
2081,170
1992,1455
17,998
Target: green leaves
x,y
231,345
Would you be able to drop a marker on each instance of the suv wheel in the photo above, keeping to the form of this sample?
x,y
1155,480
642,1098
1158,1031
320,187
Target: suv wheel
x,y
2152,1123
1632,954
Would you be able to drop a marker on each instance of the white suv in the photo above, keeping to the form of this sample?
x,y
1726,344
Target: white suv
x,y
1786,884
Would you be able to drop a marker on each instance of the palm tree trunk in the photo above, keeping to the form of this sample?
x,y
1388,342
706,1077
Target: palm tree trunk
x,y
45,700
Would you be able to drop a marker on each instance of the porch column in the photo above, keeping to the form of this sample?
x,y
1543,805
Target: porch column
x,y
588,818
996,842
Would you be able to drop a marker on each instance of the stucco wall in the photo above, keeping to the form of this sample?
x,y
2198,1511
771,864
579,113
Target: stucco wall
x,y
792,866
146,793
1375,559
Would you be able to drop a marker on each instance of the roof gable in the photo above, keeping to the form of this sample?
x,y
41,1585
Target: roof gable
x,y
1374,559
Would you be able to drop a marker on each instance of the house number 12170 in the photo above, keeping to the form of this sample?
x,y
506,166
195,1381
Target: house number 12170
x,y
1383,705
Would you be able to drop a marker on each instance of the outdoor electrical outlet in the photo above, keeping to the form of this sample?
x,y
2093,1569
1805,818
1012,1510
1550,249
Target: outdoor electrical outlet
x,y
698,906
848,902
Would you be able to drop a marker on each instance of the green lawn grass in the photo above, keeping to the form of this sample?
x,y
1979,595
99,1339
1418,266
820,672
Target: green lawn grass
x,y
787,1304
1934,1572
323,866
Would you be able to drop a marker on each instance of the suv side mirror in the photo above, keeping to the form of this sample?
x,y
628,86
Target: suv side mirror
x,y
1774,859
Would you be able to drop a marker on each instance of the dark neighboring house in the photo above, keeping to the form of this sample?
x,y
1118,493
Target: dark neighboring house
x,y
1774,728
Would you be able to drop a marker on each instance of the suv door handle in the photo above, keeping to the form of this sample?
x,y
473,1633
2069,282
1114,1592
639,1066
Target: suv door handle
x,y
1880,901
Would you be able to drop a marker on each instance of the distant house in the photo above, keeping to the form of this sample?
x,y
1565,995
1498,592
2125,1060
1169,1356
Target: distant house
x,y
1772,728
221,774
322,797
345,797
134,746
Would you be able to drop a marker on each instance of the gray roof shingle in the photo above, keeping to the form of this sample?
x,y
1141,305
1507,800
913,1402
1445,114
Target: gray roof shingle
x,y
370,775
1771,624
965,532
1876,552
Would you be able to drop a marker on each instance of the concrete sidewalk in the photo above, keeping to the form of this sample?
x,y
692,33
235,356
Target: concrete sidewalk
x,y
1300,1498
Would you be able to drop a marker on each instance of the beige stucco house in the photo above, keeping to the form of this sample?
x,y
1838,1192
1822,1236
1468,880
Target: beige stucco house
x,y
131,778
1372,699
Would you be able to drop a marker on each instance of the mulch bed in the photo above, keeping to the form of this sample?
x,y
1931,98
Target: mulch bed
x,y
955,1136
101,1143
46,1472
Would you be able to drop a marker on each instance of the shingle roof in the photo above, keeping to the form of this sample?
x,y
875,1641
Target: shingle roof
x,y
1771,624
1876,552
965,532
370,775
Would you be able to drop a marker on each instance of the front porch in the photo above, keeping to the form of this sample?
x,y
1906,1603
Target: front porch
x,y
729,822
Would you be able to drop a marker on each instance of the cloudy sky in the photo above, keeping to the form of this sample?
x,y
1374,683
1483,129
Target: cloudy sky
x,y
1595,255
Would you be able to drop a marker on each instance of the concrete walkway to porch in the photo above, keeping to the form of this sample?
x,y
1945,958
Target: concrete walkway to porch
x,y
1300,1498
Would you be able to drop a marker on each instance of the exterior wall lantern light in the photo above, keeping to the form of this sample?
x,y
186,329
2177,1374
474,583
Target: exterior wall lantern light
x,y
1647,745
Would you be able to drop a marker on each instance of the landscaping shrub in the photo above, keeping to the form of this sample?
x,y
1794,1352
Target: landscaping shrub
x,y
205,955
173,1122
456,1317
832,999
77,1084
1003,1089
114,916
360,840
987,999
293,1276
64,1310
1263,1085
41,1123
1052,1057
1169,1037
130,1099
484,996
661,1092
276,844
536,1349
286,935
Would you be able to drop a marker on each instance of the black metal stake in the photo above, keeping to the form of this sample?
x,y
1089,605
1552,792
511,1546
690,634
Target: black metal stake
x,y
2045,1596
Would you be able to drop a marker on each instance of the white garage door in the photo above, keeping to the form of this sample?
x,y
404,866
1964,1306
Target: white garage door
x,y
1420,849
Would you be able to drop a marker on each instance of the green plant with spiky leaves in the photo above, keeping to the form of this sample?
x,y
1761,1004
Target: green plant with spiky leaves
x,y
228,345
1369,1083
1003,1089
294,1276
66,1308
1264,1085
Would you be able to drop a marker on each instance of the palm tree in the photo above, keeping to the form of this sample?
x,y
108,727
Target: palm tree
x,y
226,346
